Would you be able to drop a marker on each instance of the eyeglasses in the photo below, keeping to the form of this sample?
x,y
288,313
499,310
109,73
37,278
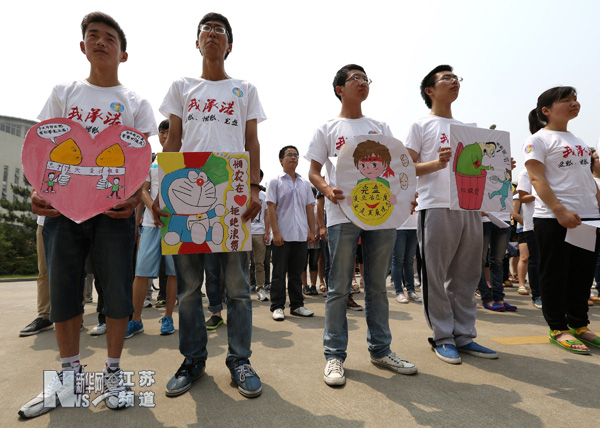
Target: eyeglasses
x,y
359,79
449,79
217,29
292,155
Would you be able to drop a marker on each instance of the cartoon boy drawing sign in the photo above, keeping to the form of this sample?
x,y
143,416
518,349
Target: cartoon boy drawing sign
x,y
376,173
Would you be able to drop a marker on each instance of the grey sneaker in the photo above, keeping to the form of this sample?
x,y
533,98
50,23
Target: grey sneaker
x,y
392,362
333,375
262,296
278,315
115,394
537,302
302,312
414,297
401,298
35,407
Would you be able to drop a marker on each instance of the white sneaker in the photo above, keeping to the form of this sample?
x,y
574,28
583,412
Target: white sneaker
x,y
302,312
395,364
278,315
333,374
147,303
414,297
35,407
400,298
262,296
114,391
98,330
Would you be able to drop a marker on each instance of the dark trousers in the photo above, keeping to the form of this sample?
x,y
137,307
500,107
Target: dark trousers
x,y
566,275
289,258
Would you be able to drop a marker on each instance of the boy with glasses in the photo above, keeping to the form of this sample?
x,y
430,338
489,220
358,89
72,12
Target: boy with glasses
x,y
214,113
351,87
450,240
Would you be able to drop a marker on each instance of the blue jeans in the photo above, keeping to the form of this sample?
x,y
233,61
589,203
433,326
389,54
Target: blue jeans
x,y
212,270
110,244
377,247
192,327
402,260
326,261
496,239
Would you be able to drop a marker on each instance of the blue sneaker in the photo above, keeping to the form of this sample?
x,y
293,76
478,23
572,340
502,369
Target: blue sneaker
x,y
188,372
447,353
134,327
247,380
509,308
478,351
166,325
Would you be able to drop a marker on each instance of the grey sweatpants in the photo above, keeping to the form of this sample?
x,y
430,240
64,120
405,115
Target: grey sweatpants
x,y
451,243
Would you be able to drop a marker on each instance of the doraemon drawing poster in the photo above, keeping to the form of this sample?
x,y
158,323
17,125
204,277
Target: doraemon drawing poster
x,y
480,173
377,175
206,194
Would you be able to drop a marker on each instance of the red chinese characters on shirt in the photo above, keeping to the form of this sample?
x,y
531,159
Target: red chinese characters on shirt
x,y
443,139
579,151
210,104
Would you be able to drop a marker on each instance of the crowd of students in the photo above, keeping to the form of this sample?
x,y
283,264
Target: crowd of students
x,y
288,218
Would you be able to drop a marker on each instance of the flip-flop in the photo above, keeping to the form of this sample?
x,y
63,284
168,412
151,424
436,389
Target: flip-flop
x,y
577,333
567,344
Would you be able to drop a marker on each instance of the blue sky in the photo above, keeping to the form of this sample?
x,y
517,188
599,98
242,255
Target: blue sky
x,y
508,52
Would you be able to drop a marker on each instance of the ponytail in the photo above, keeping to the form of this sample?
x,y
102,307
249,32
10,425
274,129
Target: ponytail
x,y
537,119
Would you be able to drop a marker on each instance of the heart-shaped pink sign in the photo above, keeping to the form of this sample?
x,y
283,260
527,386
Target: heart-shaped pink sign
x,y
83,176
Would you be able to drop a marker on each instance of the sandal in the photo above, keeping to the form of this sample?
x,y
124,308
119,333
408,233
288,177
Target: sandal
x,y
567,344
578,332
523,291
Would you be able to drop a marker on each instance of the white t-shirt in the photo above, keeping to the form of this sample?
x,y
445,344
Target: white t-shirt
x,y
566,160
526,208
258,224
426,136
327,142
214,113
410,223
291,198
152,178
96,108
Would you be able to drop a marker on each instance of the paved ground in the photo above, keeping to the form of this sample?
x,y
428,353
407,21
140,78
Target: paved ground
x,y
533,384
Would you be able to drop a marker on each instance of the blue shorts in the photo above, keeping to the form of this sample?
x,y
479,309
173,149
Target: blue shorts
x,y
110,243
149,254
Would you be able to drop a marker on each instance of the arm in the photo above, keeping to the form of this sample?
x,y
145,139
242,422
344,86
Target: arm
x,y
314,175
424,168
267,237
146,201
253,147
42,207
321,218
536,171
525,197
516,208
277,238
310,217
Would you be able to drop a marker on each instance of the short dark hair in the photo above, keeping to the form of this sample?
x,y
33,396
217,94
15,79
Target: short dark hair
x,y
163,125
537,119
213,16
104,19
342,75
282,151
429,81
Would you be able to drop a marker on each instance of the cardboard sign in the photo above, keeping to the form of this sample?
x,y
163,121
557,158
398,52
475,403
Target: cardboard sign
x,y
83,176
206,194
377,176
480,177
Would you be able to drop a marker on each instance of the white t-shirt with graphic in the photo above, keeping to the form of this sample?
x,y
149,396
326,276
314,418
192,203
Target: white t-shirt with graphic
x,y
148,220
325,146
426,136
213,113
526,208
566,160
96,108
